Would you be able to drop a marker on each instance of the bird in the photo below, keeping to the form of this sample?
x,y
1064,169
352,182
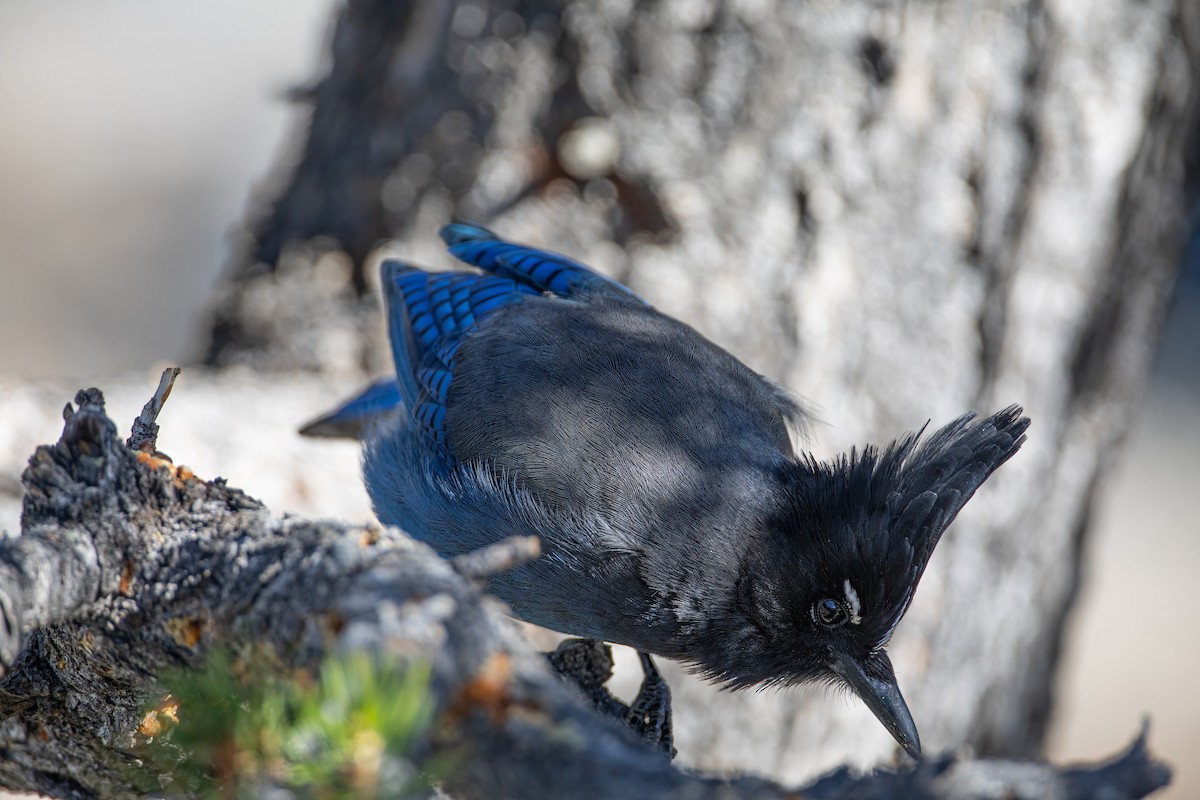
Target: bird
x,y
534,395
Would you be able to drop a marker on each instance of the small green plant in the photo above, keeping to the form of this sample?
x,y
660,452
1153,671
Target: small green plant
x,y
242,724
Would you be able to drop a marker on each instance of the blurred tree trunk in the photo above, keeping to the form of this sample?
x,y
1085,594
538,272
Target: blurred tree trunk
x,y
900,211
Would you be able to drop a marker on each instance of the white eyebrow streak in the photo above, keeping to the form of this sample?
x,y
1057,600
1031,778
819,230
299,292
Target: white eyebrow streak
x,y
852,599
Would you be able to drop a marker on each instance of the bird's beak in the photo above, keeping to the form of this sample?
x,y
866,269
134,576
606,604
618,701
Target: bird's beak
x,y
882,696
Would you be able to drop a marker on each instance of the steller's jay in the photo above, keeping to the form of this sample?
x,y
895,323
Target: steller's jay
x,y
539,397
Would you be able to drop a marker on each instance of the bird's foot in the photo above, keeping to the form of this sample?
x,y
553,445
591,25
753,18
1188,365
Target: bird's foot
x,y
588,664
650,713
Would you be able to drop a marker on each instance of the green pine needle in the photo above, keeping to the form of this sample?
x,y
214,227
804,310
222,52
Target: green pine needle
x,y
354,732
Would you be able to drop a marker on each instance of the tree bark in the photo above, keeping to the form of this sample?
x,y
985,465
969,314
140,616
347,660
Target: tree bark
x,y
900,211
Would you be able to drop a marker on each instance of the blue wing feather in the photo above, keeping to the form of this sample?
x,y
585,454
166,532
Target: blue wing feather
x,y
428,314
545,271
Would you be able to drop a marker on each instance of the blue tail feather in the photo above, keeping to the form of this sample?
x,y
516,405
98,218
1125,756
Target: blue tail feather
x,y
351,418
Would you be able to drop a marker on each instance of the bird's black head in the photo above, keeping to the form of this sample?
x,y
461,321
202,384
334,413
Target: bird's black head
x,y
827,583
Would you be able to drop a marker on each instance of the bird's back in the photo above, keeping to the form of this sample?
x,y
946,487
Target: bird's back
x,y
611,408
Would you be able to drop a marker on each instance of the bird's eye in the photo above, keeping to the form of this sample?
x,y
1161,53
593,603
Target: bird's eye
x,y
830,613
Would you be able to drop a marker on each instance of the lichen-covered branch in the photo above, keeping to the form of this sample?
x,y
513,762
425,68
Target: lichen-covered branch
x,y
127,565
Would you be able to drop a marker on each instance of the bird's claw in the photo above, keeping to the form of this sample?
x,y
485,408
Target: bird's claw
x,y
650,713
588,664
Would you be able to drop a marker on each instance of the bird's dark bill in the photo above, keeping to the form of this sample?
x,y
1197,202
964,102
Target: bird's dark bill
x,y
882,696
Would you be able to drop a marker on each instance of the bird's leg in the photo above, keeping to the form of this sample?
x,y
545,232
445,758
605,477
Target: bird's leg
x,y
588,664
650,713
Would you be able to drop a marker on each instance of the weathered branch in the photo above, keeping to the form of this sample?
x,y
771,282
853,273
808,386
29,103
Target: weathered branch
x,y
127,565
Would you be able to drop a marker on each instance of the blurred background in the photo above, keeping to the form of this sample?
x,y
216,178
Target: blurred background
x,y
134,140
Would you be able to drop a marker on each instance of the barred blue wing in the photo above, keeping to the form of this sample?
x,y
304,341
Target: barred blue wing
x,y
549,272
428,313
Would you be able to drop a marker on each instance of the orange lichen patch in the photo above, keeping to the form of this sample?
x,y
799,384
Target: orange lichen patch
x,y
487,691
154,462
125,587
185,631
180,473
370,536
158,719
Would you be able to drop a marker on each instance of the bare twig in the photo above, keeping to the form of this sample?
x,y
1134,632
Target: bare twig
x,y
144,435
499,557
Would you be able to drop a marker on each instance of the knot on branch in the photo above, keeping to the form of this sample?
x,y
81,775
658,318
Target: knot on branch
x,y
86,448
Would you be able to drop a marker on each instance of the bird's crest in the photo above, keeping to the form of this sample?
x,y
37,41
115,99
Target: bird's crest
x,y
876,516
